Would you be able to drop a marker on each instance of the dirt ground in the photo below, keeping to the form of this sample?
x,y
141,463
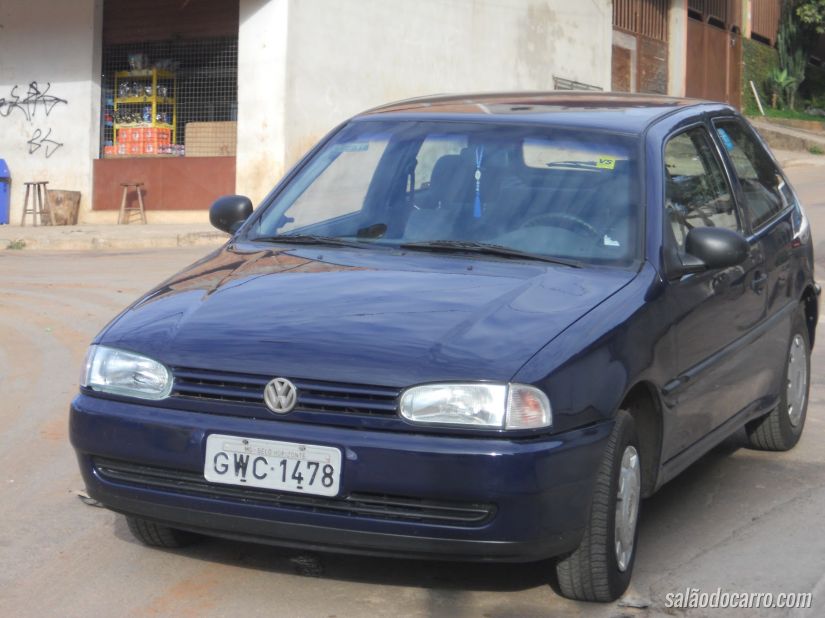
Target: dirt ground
x,y
739,520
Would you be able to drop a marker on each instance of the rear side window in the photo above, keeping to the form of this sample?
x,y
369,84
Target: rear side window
x,y
764,189
697,193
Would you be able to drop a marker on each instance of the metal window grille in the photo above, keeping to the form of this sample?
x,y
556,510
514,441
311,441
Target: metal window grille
x,y
711,8
644,17
765,16
560,83
171,98
719,13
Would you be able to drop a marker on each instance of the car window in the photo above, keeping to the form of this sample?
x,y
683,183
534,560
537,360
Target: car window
x,y
549,191
764,189
697,193
345,171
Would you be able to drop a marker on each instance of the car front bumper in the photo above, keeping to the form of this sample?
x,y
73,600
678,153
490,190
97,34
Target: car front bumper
x,y
148,462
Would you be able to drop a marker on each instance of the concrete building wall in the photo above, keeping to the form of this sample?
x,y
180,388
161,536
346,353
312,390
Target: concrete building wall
x,y
347,55
304,66
49,94
262,69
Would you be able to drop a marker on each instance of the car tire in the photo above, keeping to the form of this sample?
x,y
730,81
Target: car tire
x,y
595,571
781,429
154,535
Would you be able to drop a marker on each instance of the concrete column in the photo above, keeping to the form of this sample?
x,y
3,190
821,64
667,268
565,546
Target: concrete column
x,y
95,93
677,48
747,18
262,70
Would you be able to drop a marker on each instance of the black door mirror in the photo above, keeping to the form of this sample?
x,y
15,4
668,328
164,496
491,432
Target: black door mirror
x,y
712,248
227,213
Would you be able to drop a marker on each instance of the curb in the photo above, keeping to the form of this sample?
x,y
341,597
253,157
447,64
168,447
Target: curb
x,y
781,137
810,160
101,243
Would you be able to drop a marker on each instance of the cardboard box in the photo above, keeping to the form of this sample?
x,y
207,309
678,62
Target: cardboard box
x,y
127,136
211,139
157,135
144,134
155,141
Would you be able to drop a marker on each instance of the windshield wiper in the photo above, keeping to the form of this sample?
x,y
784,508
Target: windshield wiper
x,y
310,239
485,249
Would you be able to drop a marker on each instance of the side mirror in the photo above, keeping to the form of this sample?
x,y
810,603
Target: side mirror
x,y
227,213
710,248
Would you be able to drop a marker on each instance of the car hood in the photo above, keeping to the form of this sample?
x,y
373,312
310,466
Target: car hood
x,y
380,317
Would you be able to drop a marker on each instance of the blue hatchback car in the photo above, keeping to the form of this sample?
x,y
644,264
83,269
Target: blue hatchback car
x,y
466,328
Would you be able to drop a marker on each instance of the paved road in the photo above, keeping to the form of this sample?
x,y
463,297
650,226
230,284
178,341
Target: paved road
x,y
740,520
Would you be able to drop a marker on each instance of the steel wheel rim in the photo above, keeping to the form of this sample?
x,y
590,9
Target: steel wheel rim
x,y
797,387
627,506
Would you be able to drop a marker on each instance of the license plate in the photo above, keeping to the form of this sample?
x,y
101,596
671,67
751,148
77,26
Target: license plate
x,y
269,464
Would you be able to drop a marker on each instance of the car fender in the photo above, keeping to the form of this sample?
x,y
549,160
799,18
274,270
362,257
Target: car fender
x,y
588,369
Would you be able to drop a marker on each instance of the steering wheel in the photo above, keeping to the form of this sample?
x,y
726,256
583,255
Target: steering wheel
x,y
570,222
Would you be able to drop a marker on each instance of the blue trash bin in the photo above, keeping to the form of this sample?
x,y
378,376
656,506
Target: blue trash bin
x,y
5,192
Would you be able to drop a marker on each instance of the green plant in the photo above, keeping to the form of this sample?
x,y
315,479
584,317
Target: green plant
x,y
782,85
790,114
793,43
759,60
817,101
812,14
16,244
816,150
813,88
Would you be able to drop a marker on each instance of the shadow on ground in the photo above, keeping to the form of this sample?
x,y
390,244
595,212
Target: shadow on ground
x,y
448,581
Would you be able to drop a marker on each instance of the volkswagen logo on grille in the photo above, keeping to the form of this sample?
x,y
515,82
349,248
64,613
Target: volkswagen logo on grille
x,y
280,395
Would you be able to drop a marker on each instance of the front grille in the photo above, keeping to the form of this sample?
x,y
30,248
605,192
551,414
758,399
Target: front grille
x,y
357,504
312,395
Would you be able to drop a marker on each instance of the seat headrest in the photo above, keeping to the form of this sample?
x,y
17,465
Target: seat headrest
x,y
444,170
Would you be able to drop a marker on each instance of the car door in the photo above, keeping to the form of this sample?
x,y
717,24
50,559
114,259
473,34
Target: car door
x,y
712,311
767,203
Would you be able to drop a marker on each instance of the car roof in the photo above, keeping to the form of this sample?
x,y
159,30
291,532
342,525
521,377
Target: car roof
x,y
622,112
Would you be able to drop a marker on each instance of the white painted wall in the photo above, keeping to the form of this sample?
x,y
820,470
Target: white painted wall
x,y
262,68
343,56
54,43
304,66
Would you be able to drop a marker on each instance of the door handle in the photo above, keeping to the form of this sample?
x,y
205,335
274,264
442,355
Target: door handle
x,y
758,282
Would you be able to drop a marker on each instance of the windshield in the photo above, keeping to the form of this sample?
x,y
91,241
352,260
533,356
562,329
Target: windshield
x,y
536,190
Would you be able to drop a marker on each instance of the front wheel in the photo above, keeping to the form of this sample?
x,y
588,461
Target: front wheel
x,y
600,569
781,429
155,535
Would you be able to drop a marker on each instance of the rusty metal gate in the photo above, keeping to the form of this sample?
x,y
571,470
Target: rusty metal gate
x,y
714,41
640,49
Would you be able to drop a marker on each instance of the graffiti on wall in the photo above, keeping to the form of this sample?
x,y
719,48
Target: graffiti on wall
x,y
35,98
40,140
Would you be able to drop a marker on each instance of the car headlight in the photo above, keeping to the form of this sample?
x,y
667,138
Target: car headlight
x,y
109,370
500,406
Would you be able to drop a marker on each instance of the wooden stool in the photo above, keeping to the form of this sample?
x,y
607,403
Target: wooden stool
x,y
40,202
126,211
